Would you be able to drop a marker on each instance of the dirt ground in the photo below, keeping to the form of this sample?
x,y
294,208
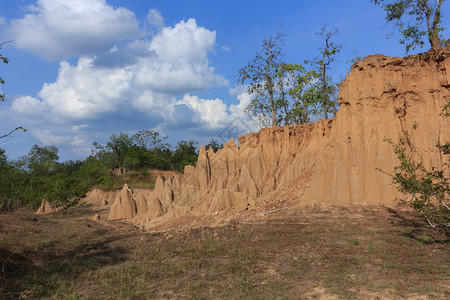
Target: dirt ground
x,y
313,252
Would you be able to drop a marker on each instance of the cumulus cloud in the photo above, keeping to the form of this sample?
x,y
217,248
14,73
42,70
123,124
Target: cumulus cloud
x,y
212,112
79,146
240,92
149,83
183,118
153,101
155,18
145,83
47,138
56,29
123,55
28,106
182,63
84,92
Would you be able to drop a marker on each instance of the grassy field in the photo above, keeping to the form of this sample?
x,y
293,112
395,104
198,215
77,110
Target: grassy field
x,y
344,253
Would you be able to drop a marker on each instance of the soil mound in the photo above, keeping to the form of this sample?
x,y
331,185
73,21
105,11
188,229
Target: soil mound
x,y
45,208
136,205
98,197
330,161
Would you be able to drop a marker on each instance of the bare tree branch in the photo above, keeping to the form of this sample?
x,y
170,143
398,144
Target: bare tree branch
x,y
12,131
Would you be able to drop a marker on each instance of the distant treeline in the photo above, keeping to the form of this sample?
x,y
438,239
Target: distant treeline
x,y
39,175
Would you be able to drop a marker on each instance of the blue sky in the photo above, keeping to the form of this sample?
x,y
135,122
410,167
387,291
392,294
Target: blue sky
x,y
81,70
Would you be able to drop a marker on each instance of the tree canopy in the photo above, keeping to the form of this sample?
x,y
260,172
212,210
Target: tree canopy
x,y
322,63
417,20
262,73
286,93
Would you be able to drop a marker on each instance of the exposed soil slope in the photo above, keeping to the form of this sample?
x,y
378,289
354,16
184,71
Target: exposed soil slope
x,y
331,161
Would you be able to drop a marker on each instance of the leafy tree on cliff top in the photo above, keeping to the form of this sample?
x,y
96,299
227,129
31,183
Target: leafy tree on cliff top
x,y
261,73
325,87
416,19
284,93
298,97
214,144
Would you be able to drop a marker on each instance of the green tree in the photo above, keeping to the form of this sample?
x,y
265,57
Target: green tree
x,y
416,19
261,74
39,175
42,161
119,145
428,191
95,173
326,88
145,149
150,140
214,144
284,81
284,93
299,94
14,184
104,155
5,177
38,167
154,151
185,154
73,179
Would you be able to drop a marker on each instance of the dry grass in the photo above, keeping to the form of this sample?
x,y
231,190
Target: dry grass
x,y
143,179
343,254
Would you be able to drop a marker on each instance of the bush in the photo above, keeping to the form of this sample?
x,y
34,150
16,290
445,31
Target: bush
x,y
428,190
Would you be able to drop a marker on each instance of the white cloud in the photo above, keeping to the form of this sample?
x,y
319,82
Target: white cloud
x,y
28,106
46,137
56,29
185,42
182,63
145,82
84,92
154,18
93,87
240,92
154,101
226,48
244,101
213,112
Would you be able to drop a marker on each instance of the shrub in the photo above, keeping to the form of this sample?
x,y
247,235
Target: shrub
x,y
428,190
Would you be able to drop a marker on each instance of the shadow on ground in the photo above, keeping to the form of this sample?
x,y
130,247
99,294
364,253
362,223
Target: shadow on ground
x,y
45,253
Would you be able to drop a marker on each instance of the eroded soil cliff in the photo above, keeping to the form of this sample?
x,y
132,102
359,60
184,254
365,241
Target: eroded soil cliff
x,y
331,161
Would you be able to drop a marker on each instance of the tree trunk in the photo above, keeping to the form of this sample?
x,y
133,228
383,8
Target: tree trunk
x,y
435,41
324,92
433,32
287,120
273,111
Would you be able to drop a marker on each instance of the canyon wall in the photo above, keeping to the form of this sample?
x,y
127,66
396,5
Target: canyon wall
x,y
330,161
